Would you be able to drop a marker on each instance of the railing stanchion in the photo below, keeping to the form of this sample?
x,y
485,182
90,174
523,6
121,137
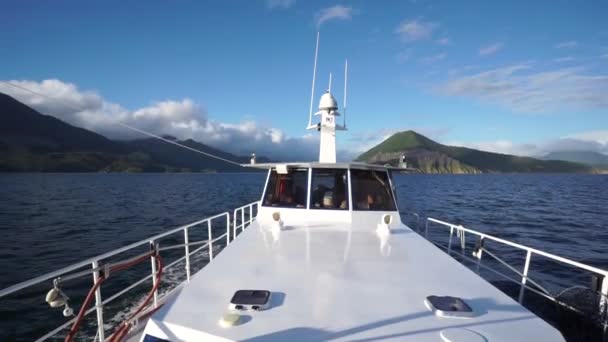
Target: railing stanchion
x,y
209,240
227,229
463,241
250,213
604,299
187,250
98,302
524,277
153,262
479,253
234,217
450,240
242,219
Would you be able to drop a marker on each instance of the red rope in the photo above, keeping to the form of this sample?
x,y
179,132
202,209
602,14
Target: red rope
x,y
123,329
97,284
83,309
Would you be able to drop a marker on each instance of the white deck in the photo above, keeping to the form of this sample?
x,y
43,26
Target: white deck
x,y
333,282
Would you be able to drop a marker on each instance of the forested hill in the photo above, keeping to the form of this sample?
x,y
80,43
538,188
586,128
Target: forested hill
x,y
33,142
429,156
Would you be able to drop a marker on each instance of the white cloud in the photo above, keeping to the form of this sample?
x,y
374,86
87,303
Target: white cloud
x,y
596,141
280,4
416,29
600,136
523,90
183,119
500,146
443,41
490,49
566,45
434,58
337,12
404,56
564,59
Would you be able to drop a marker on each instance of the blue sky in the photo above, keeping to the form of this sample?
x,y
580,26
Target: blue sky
x,y
515,77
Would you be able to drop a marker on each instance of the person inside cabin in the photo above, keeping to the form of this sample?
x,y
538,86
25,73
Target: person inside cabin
x,y
328,200
366,202
318,195
330,189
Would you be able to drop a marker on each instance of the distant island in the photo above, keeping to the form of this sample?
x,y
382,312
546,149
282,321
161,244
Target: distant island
x,y
428,156
33,142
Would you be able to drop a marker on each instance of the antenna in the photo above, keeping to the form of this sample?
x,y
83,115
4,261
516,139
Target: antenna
x,y
314,76
345,83
329,89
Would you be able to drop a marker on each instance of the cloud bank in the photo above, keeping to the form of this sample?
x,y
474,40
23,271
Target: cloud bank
x,y
183,119
519,88
596,141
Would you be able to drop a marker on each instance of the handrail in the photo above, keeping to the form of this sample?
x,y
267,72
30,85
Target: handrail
x,y
54,274
95,267
516,245
244,222
460,232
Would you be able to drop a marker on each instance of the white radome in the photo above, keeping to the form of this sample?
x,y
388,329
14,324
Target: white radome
x,y
328,102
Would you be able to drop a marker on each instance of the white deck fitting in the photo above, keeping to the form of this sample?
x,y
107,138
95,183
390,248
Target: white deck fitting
x,y
336,282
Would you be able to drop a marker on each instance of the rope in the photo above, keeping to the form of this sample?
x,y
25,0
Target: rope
x,y
123,329
100,281
83,309
122,124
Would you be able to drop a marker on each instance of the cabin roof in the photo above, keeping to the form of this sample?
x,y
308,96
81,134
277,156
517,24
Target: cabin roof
x,y
318,165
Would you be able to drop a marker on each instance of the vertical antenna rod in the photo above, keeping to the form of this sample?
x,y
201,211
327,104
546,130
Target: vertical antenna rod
x,y
329,89
345,83
314,76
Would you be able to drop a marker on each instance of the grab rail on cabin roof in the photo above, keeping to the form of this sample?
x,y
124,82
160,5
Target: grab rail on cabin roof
x,y
96,265
479,250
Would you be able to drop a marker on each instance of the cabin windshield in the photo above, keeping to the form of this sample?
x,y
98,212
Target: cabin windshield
x,y
287,190
371,191
329,189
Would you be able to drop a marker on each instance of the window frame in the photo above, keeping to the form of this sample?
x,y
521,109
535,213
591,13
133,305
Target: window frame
x,y
269,180
347,196
390,192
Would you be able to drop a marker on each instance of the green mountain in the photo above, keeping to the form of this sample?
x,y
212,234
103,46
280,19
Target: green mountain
x,y
429,156
584,157
33,142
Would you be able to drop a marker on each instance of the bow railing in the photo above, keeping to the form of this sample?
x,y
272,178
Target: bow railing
x,y
523,279
193,239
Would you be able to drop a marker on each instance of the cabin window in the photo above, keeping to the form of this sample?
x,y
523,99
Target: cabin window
x,y
287,190
329,189
371,191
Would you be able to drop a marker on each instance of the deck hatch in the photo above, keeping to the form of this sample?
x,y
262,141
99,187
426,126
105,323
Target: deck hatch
x,y
446,306
250,300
